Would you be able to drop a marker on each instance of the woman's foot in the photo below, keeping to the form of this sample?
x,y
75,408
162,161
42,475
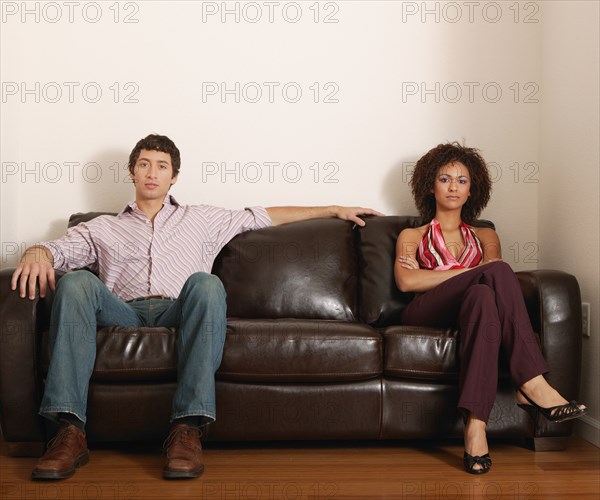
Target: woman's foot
x,y
476,458
538,392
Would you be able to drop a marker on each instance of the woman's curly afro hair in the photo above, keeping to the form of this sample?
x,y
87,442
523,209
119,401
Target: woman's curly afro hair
x,y
425,172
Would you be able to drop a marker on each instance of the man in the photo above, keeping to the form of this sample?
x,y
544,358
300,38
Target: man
x,y
153,262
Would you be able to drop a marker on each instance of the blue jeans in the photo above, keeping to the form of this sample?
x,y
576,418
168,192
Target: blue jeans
x,y
82,302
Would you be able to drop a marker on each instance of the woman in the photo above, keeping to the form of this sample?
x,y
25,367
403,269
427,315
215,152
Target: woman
x,y
460,279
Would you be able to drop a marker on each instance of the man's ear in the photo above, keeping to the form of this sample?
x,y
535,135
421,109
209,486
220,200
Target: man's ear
x,y
174,179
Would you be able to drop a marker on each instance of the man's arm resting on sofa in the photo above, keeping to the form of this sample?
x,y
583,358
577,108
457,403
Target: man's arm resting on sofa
x,y
36,266
284,215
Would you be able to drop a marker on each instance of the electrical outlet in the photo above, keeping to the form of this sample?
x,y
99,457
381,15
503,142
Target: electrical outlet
x,y
585,316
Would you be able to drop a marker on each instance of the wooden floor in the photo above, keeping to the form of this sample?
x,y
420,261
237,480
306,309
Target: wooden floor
x,y
411,470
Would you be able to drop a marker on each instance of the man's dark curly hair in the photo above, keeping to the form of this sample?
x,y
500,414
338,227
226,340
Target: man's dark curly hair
x,y
425,172
155,142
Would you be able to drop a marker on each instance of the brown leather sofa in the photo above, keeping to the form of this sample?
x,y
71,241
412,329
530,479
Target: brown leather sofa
x,y
315,350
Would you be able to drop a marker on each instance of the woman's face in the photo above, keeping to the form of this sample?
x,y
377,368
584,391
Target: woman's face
x,y
452,186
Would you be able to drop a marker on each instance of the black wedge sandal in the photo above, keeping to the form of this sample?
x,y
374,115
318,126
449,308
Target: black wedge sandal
x,y
556,414
484,461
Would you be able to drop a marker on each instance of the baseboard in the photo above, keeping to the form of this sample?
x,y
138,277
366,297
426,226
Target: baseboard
x,y
588,428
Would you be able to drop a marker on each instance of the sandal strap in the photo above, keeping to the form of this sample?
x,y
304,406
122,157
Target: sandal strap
x,y
567,410
557,413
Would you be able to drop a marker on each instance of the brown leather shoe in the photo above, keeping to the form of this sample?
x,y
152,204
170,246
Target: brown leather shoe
x,y
184,453
64,453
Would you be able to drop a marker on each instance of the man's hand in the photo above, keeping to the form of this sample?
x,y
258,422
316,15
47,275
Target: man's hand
x,y
36,265
352,213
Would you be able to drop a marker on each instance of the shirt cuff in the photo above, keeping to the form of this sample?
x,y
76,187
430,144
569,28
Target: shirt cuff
x,y
57,256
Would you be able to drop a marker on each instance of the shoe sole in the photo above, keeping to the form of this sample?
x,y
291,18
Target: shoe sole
x,y
477,472
44,475
179,474
570,417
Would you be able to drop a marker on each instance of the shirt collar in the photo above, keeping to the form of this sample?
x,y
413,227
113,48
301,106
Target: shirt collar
x,y
132,206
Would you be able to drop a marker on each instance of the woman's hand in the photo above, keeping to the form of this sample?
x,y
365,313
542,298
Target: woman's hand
x,y
408,262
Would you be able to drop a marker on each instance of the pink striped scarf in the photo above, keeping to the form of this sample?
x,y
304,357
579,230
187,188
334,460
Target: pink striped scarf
x,y
434,254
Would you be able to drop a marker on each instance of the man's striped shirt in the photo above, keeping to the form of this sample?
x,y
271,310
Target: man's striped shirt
x,y
135,258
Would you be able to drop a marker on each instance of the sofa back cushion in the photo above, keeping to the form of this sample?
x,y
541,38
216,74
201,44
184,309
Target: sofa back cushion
x,y
300,270
80,217
381,303
305,270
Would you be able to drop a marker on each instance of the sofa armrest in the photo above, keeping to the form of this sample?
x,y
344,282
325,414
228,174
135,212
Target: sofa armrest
x,y
553,301
19,378
554,304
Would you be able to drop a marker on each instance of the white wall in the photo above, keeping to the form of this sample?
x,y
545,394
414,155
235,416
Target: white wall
x,y
371,61
569,213
403,77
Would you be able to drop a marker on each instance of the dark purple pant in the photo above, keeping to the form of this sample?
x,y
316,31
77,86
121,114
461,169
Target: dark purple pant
x,y
486,303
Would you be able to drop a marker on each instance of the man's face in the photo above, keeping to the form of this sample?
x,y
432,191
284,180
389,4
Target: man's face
x,y
152,175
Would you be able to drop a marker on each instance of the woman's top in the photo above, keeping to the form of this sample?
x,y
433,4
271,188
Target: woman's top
x,y
434,254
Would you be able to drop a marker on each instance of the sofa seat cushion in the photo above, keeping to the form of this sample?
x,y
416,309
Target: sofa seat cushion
x,y
421,352
255,350
417,352
130,354
291,350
